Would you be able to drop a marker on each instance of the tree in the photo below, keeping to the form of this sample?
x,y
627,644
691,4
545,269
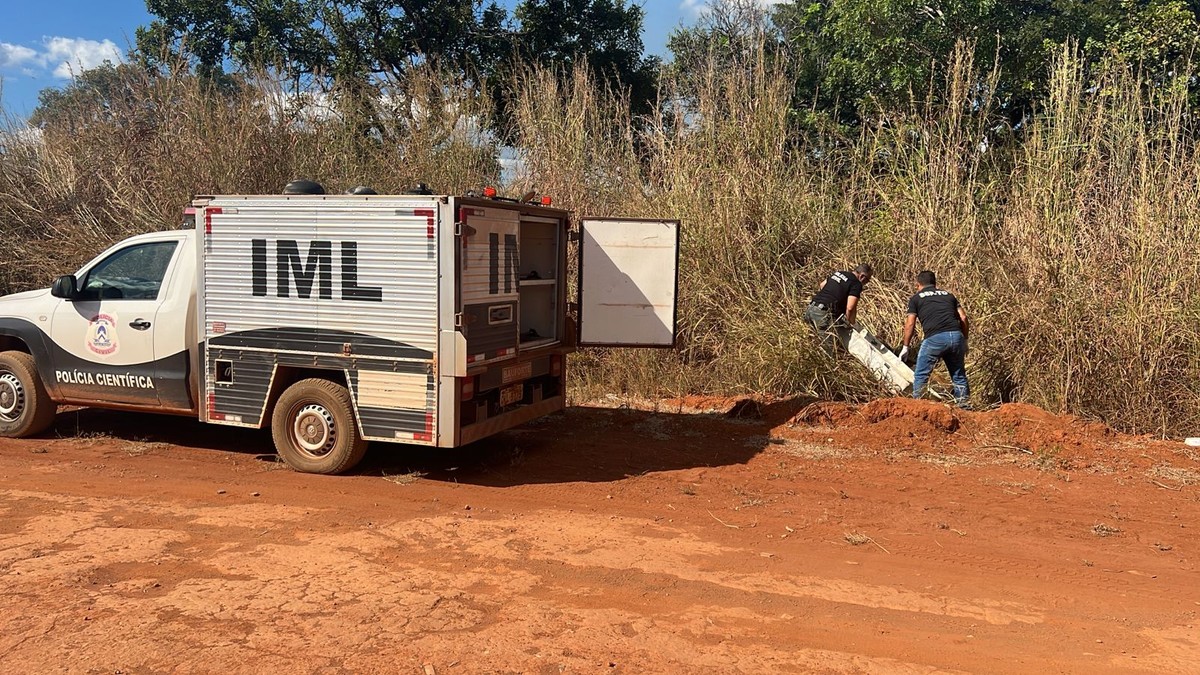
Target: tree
x,y
605,33
728,34
351,47
1157,35
328,41
857,59
89,97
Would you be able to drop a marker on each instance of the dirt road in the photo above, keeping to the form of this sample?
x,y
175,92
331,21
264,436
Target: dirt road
x,y
850,540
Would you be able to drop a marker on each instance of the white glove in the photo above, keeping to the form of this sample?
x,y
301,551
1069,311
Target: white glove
x,y
903,353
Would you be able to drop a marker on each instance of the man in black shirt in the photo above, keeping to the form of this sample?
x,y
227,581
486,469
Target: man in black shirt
x,y
944,322
837,297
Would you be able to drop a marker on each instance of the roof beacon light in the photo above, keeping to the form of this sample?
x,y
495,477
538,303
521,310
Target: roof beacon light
x,y
546,200
489,192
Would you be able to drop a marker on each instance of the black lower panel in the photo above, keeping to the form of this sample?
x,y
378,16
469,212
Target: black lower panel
x,y
159,383
244,396
245,393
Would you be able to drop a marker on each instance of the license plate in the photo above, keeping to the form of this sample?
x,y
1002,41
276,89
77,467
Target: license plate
x,y
521,371
511,395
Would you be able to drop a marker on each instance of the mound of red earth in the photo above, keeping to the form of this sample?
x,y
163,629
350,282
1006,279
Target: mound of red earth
x,y
929,427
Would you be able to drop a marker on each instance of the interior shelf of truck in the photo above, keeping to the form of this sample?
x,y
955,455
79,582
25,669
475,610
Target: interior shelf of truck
x,y
538,281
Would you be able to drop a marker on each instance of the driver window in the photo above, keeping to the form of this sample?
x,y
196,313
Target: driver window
x,y
133,273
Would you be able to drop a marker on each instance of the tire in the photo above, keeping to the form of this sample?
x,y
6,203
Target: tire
x,y
25,406
314,428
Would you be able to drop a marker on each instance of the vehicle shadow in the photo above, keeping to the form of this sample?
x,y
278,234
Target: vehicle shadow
x,y
591,444
150,428
581,444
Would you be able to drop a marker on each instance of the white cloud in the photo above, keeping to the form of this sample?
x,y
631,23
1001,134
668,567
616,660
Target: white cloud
x,y
14,56
64,57
71,56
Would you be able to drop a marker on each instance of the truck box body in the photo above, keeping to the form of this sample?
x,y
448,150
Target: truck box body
x,y
446,315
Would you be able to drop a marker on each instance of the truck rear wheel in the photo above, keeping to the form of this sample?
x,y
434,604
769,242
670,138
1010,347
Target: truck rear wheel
x,y
314,428
25,406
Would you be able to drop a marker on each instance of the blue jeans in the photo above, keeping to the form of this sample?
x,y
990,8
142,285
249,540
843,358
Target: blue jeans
x,y
950,347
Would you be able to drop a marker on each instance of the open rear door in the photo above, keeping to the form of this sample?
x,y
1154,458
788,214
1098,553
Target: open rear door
x,y
628,282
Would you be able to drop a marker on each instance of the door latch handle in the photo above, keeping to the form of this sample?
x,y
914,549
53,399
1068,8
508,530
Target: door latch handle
x,y
139,324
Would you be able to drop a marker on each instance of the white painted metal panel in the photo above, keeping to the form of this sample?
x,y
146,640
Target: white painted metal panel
x,y
628,282
491,241
395,254
378,389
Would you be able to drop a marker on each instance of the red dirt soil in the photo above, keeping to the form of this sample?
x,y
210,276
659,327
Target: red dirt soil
x,y
930,427
896,536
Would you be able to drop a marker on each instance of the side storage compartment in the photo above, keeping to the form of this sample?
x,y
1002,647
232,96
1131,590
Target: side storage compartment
x,y
541,276
495,391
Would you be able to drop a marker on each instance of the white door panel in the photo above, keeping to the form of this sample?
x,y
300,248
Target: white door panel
x,y
628,282
104,339
100,332
490,241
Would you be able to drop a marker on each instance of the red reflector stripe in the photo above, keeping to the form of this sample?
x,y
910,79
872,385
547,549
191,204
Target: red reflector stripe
x,y
428,435
208,214
429,216
211,405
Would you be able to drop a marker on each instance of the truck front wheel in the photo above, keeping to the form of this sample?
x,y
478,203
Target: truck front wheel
x,y
314,429
25,407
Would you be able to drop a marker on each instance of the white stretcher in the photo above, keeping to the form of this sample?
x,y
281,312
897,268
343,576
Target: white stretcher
x,y
877,357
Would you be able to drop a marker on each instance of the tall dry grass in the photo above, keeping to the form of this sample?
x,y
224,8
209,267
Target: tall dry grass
x,y
1070,239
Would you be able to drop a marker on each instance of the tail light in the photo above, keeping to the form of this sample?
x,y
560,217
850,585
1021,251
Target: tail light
x,y
468,388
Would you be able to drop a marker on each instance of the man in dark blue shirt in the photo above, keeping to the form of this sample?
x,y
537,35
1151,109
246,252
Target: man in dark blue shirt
x,y
837,297
944,323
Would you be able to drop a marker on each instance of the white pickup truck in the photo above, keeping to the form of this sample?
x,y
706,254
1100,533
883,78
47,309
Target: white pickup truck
x,y
339,319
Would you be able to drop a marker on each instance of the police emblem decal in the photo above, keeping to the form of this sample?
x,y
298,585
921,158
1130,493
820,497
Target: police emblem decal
x,y
102,335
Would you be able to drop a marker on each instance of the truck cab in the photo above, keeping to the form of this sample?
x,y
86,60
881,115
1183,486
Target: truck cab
x,y
117,333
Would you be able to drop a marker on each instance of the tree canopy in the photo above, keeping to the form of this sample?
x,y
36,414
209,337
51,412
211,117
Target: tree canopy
x,y
874,52
343,44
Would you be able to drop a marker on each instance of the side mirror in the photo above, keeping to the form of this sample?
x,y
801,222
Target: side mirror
x,y
66,287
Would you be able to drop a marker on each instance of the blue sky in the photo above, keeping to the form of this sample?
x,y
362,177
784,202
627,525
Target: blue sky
x,y
43,42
